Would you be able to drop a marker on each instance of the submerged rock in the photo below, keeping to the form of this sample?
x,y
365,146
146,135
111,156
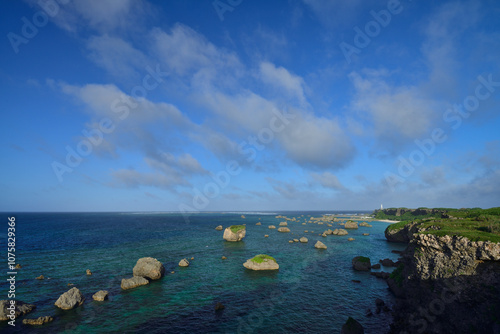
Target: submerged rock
x,y
70,299
100,296
149,267
261,262
184,263
234,233
352,327
219,306
320,245
20,308
39,321
130,283
361,263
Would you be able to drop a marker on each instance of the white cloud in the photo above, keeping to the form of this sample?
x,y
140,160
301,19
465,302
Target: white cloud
x,y
282,79
327,180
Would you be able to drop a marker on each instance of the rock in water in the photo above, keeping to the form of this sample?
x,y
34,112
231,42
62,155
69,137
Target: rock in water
x,y
352,327
150,268
40,277
100,296
130,283
303,240
342,232
219,306
272,227
258,224
21,308
70,299
351,225
184,263
376,266
320,245
219,228
283,229
38,321
234,233
283,224
261,262
387,263
361,263
351,239
88,272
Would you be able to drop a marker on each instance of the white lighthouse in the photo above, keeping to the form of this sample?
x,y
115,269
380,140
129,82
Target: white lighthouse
x,y
381,207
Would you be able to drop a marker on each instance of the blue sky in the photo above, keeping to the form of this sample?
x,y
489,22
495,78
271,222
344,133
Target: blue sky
x,y
249,105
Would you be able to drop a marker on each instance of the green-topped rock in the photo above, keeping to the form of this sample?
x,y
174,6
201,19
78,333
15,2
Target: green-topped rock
x,y
234,233
361,263
261,262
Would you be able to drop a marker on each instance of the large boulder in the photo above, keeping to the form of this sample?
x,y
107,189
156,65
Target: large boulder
x,y
130,283
234,233
352,327
39,321
361,263
283,229
261,262
20,308
70,299
150,268
320,245
351,225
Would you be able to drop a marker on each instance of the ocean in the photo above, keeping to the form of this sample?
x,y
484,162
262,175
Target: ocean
x,y
312,292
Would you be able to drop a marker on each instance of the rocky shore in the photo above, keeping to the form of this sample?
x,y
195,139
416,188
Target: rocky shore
x,y
444,284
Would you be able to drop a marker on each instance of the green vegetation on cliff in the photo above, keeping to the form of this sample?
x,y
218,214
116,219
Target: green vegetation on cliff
x,y
475,224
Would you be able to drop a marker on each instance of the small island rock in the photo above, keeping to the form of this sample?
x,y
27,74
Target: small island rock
x,y
40,277
361,263
70,299
283,224
219,228
342,232
88,272
272,227
130,283
234,233
21,308
100,296
149,267
259,223
261,262
351,225
320,245
283,229
184,263
39,321
303,240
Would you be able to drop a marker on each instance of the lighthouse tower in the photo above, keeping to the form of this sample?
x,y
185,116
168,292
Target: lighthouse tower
x,y
381,207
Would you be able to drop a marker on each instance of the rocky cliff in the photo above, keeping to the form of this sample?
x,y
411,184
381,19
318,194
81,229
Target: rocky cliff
x,y
446,284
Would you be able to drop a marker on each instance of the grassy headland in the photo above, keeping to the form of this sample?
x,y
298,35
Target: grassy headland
x,y
475,224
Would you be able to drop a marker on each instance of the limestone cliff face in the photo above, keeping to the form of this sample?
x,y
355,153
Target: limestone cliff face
x,y
447,284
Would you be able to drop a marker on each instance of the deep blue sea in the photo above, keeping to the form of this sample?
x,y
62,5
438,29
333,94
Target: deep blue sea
x,y
312,292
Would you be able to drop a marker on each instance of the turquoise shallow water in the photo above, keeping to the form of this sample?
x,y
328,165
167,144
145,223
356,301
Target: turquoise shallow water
x,y
312,292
